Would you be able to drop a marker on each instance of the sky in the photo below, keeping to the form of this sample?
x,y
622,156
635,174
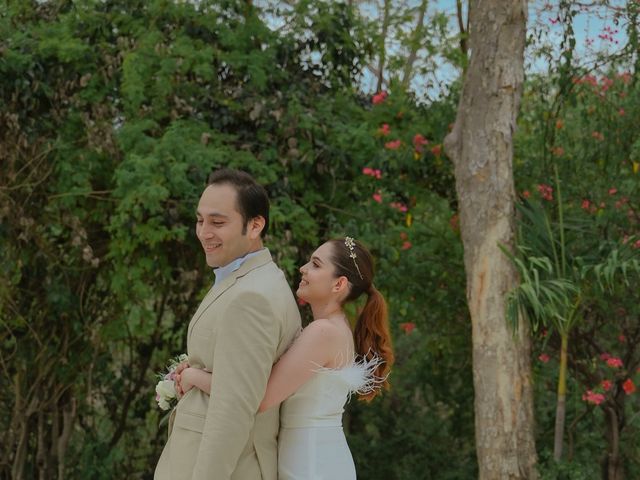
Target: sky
x,y
594,29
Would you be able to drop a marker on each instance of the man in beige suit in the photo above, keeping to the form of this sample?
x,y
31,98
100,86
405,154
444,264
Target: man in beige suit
x,y
243,325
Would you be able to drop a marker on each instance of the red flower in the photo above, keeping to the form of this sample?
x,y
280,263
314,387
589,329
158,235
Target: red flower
x,y
628,386
384,130
605,356
544,358
526,193
401,207
606,384
379,97
559,124
557,151
614,362
546,191
408,327
591,397
406,245
377,196
436,150
586,204
613,191
621,112
372,172
393,145
419,141
622,338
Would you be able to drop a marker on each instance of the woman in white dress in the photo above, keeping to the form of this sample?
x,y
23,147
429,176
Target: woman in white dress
x,y
325,364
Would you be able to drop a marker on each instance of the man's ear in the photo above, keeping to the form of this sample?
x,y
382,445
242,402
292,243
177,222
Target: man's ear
x,y
255,227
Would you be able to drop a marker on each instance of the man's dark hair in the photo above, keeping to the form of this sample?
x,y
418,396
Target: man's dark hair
x,y
252,198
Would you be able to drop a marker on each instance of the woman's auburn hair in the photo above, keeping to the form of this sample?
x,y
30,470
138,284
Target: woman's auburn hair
x,y
371,334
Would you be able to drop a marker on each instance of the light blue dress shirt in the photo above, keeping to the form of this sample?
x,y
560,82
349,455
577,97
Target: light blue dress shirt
x,y
223,272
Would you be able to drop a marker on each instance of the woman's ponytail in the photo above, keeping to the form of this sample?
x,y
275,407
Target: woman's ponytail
x,y
372,337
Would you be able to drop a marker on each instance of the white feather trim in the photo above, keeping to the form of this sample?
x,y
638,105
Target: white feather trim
x,y
360,374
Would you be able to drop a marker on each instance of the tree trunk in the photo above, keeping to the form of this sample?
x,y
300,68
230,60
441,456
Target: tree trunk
x,y
481,147
463,30
415,44
386,19
613,464
561,408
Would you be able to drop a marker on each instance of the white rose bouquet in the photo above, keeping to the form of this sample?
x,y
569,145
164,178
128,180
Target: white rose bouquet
x,y
166,394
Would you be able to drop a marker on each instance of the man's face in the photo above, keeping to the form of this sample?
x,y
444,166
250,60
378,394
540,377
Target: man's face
x,y
219,226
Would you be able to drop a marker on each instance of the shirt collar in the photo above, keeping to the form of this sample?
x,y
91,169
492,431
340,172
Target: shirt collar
x,y
223,272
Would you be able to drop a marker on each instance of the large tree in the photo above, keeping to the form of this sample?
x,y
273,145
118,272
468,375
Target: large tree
x,y
481,147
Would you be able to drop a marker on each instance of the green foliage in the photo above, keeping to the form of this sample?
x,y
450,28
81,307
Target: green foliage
x,y
115,113
581,124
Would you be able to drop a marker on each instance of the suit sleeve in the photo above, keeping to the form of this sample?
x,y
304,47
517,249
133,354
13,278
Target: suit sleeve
x,y
245,350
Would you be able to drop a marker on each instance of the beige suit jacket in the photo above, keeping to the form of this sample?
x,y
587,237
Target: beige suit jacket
x,y
239,331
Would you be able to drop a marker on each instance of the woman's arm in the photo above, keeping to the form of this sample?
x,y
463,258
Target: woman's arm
x,y
316,346
191,377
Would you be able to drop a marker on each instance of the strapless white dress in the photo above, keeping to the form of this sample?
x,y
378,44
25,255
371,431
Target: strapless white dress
x,y
311,443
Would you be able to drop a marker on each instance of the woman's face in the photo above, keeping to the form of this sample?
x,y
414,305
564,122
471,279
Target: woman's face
x,y
318,281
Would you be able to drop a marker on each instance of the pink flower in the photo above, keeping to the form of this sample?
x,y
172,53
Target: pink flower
x,y
544,358
408,327
636,244
546,191
406,245
586,204
393,145
628,386
401,207
613,191
379,97
419,141
605,356
372,172
621,112
377,197
606,385
614,362
384,130
591,397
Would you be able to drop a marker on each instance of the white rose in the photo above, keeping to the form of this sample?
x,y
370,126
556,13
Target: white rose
x,y
163,404
166,389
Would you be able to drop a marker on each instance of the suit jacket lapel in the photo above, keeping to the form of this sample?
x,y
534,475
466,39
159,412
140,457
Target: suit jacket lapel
x,y
252,263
